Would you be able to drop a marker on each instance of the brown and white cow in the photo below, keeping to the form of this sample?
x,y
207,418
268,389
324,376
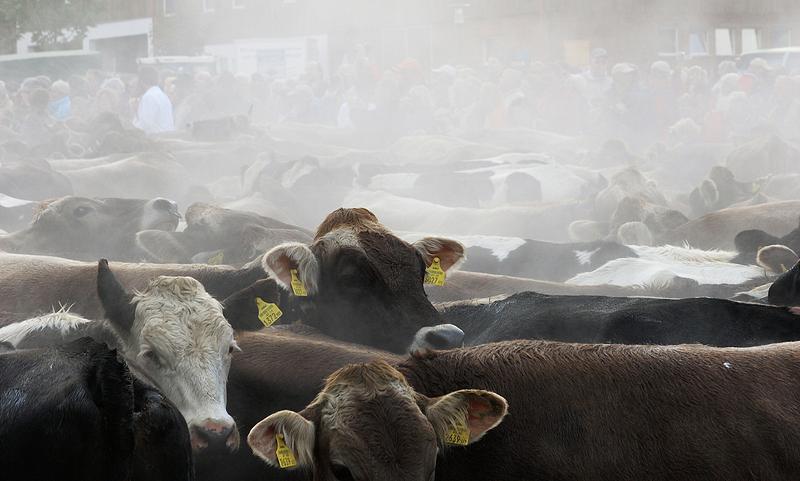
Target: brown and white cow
x,y
576,411
363,283
88,229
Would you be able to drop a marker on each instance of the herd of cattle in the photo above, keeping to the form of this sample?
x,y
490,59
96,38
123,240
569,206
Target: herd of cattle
x,y
519,306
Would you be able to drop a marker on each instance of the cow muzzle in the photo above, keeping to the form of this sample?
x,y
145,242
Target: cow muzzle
x,y
214,435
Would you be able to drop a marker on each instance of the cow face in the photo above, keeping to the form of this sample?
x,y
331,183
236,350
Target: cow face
x,y
173,335
364,284
83,228
369,424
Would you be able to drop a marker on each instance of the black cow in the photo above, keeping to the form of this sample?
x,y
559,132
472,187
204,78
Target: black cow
x,y
549,261
76,413
785,290
623,320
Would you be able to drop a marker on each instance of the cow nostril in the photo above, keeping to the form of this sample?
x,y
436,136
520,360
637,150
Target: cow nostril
x,y
165,205
214,436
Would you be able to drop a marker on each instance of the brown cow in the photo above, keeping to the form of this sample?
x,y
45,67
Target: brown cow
x,y
363,283
600,412
87,229
33,285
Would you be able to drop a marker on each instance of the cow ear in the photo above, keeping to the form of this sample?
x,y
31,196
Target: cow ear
x,y
282,259
750,241
241,308
776,258
472,412
449,251
296,433
117,303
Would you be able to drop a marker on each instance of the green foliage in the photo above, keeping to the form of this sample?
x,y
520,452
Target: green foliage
x,y
53,23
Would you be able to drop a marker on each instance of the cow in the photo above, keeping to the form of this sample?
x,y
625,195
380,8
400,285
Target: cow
x,y
32,285
33,180
785,290
360,283
661,265
76,413
232,237
765,155
172,334
534,259
749,242
261,381
601,412
717,230
15,213
622,320
546,221
87,229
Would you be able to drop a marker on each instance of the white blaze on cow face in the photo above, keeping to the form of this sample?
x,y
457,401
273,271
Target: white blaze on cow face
x,y
173,334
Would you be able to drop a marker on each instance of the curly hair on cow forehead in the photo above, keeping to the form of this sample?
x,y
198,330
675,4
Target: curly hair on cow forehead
x,y
181,288
358,219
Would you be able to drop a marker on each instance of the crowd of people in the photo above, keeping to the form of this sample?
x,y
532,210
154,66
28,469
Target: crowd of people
x,y
635,103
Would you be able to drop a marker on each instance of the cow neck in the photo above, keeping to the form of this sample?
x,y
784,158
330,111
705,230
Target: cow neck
x,y
221,283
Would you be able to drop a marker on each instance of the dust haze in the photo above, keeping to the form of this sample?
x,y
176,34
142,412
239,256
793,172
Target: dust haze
x,y
492,121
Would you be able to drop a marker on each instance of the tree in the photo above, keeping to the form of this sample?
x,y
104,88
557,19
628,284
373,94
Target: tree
x,y
53,24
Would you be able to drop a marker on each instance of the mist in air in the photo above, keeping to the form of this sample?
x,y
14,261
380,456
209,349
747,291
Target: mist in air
x,y
556,121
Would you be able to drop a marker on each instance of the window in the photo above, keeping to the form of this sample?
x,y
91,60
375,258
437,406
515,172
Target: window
x,y
698,43
169,8
238,3
723,41
781,37
209,5
667,40
751,40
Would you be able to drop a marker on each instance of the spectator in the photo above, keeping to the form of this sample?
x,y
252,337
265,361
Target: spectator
x,y
60,104
37,128
154,114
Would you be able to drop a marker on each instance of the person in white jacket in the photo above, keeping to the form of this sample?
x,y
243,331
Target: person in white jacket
x,y
154,114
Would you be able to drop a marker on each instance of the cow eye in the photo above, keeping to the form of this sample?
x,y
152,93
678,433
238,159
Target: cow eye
x,y
81,211
153,357
342,473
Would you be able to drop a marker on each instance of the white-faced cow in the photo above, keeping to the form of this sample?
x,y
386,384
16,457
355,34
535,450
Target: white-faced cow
x,y
171,334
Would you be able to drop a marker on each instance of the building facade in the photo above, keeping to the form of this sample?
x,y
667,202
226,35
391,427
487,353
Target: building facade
x,y
255,35
123,33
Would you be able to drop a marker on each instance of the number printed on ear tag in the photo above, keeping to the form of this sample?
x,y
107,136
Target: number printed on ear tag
x,y
285,455
458,435
268,312
298,287
434,274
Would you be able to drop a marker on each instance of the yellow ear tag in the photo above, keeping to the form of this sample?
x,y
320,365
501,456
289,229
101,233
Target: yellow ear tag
x,y
268,312
298,287
285,455
216,259
434,273
458,435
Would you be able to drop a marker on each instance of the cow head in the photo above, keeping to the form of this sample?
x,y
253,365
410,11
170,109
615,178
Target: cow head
x,y
173,335
364,284
369,423
84,228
